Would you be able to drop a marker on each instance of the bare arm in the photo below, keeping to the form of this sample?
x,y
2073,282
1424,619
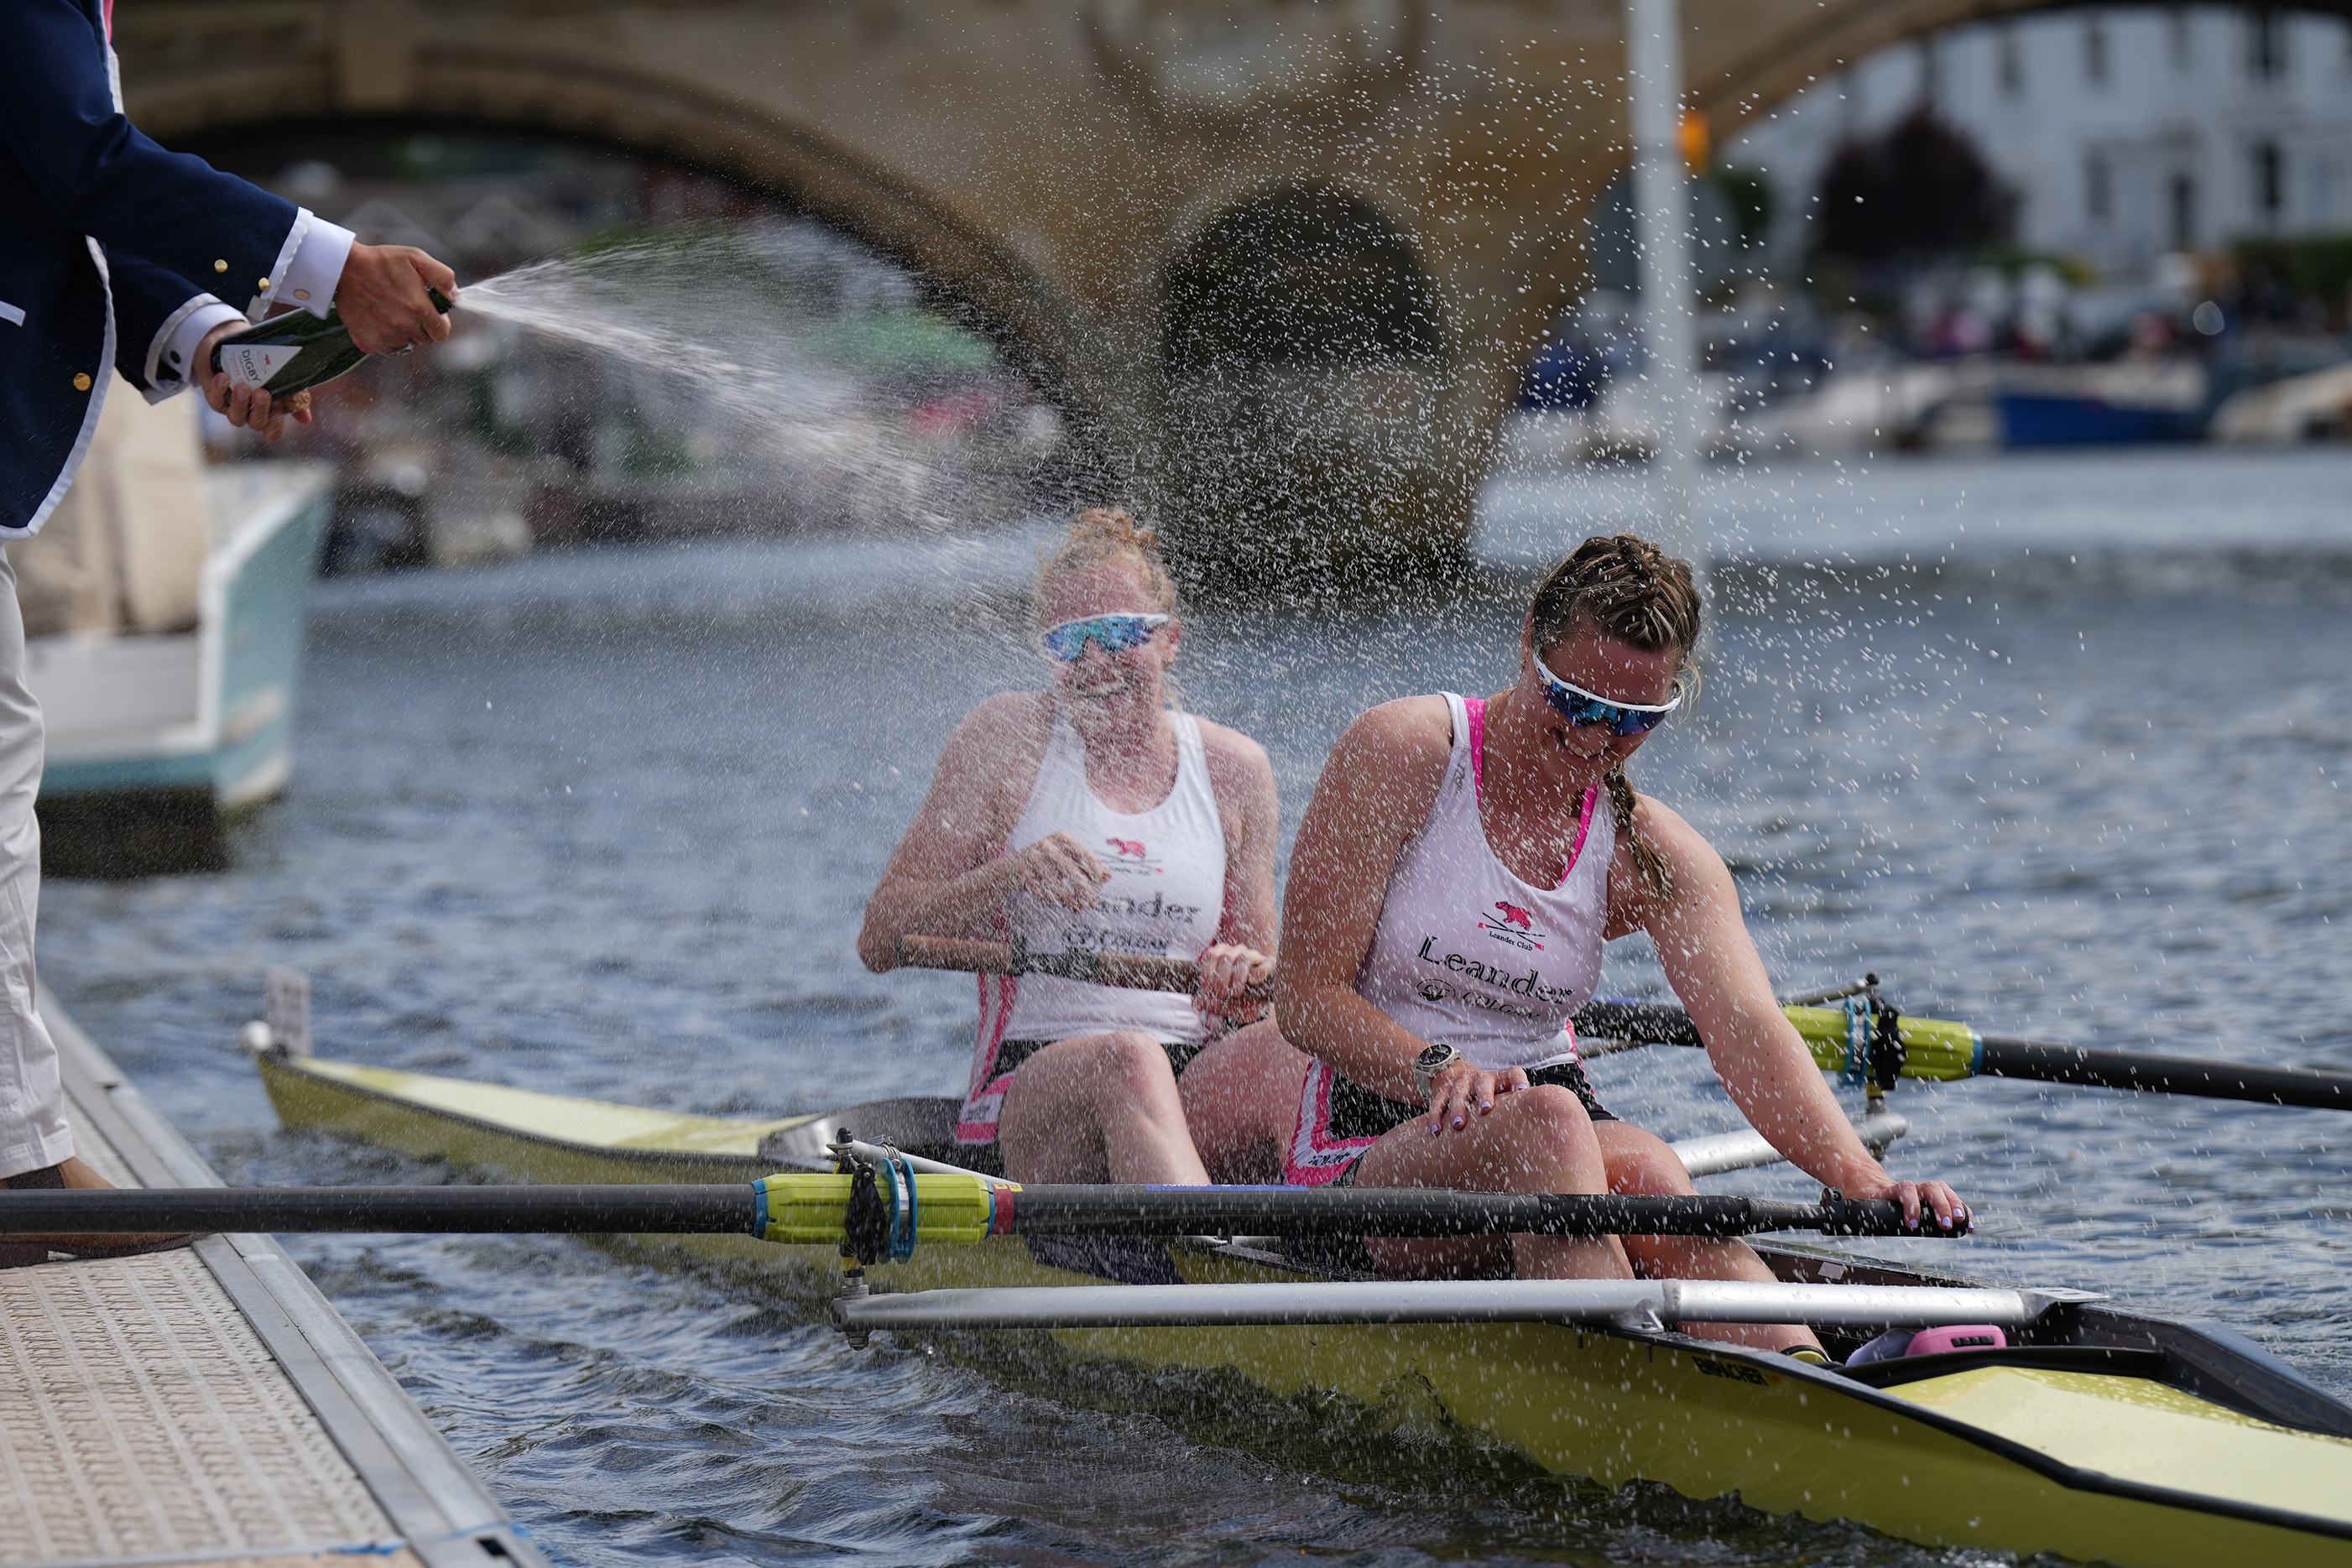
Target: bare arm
x,y
945,877
1244,951
1374,794
1714,968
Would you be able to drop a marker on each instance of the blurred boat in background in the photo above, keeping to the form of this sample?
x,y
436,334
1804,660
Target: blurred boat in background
x,y
2315,406
164,605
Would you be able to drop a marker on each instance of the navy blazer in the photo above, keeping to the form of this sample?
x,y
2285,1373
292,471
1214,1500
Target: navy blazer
x,y
108,241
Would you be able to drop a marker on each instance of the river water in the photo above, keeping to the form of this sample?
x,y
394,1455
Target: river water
x,y
2054,744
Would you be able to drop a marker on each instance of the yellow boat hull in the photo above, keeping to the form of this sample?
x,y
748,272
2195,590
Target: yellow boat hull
x,y
2020,1457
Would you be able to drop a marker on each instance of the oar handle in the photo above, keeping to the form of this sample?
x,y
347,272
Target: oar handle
x,y
1131,971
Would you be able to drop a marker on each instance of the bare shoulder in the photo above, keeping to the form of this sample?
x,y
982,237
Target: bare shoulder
x,y
1387,767
1412,732
994,752
1232,758
1001,730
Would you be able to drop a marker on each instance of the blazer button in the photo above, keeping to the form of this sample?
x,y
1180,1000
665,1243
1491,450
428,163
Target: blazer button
x,y
81,383
263,285
220,266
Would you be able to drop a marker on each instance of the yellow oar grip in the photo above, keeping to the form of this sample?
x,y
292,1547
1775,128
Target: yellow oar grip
x,y
815,1208
1932,1048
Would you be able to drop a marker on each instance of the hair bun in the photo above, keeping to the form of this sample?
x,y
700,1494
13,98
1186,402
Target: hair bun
x,y
1099,534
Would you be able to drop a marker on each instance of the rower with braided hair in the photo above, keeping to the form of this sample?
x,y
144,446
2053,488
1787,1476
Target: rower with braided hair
x,y
1458,871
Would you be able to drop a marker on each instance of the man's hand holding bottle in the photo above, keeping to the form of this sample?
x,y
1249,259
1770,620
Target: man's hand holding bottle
x,y
382,300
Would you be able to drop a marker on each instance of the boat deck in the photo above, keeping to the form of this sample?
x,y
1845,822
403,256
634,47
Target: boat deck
x,y
206,1406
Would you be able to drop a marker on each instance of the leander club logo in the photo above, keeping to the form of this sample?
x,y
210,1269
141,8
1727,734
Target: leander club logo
x,y
1512,925
1129,856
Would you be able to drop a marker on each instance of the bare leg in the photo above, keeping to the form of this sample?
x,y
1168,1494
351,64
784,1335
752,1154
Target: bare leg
x,y
1241,1100
1098,1107
1536,1140
1640,1161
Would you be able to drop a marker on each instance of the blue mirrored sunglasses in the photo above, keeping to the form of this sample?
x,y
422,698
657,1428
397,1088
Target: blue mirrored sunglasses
x,y
1582,708
1115,633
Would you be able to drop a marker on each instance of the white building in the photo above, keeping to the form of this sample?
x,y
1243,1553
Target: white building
x,y
2123,132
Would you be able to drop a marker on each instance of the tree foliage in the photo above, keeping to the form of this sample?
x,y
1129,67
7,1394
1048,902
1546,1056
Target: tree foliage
x,y
1917,189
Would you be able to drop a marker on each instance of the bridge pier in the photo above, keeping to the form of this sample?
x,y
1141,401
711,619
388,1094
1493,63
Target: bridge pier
x,y
1279,261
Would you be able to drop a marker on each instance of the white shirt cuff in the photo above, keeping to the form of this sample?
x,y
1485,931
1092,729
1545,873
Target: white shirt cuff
x,y
310,277
174,365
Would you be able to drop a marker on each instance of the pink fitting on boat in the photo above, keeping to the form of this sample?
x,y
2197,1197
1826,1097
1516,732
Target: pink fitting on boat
x,y
1957,1336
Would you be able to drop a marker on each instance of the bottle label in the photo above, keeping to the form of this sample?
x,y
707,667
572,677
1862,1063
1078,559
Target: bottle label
x,y
252,364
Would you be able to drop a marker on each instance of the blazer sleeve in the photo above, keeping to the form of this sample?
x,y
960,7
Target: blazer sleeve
x,y
149,301
101,177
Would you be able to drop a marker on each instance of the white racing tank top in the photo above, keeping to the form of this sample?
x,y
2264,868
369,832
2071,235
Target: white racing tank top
x,y
1467,955
1165,898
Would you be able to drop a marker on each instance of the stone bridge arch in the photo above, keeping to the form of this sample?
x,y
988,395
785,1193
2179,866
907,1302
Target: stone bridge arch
x,y
1046,160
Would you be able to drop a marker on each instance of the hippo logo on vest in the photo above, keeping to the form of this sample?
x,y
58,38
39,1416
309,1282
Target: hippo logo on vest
x,y
1128,855
1512,924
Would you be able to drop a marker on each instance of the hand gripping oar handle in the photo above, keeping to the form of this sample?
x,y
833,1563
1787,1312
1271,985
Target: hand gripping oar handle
x,y
814,1210
1134,971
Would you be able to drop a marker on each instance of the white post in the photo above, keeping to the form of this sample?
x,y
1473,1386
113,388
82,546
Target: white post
x,y
1654,70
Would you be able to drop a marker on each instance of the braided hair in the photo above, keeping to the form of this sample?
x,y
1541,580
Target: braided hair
x,y
1635,593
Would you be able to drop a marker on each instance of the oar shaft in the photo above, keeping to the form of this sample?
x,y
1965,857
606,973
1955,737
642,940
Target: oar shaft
x,y
2048,1062
1941,1050
1113,1210
592,1210
814,1210
1132,971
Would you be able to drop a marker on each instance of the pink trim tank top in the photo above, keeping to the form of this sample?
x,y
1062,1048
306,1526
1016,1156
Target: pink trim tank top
x,y
1165,898
1467,955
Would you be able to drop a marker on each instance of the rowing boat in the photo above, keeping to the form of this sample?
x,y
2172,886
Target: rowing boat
x,y
2096,1432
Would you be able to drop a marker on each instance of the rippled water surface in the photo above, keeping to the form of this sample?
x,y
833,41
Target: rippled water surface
x,y
2055,745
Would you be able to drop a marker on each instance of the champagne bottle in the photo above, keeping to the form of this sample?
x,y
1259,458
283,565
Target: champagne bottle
x,y
295,351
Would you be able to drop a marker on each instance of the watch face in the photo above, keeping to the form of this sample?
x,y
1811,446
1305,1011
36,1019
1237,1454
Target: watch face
x,y
1434,1057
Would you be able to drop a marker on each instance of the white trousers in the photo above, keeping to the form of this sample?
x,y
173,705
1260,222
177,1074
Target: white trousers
x,y
33,1132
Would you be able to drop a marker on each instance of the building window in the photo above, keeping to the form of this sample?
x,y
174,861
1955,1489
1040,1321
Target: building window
x,y
2176,35
2095,50
2098,190
2270,181
2265,45
2010,60
2184,212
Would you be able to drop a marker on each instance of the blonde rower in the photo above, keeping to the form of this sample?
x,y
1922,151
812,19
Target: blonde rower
x,y
1091,815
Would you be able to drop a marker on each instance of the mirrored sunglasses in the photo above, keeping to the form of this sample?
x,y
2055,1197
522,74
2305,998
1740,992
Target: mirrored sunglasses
x,y
1583,709
1115,634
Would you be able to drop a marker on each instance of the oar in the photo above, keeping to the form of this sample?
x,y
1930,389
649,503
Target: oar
x,y
1640,1303
1938,1049
1841,1040
802,1209
1134,971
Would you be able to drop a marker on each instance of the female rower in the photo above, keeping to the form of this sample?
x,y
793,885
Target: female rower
x,y
1090,815
1457,872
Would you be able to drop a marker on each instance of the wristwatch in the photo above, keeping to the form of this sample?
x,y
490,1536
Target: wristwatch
x,y
1435,1060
